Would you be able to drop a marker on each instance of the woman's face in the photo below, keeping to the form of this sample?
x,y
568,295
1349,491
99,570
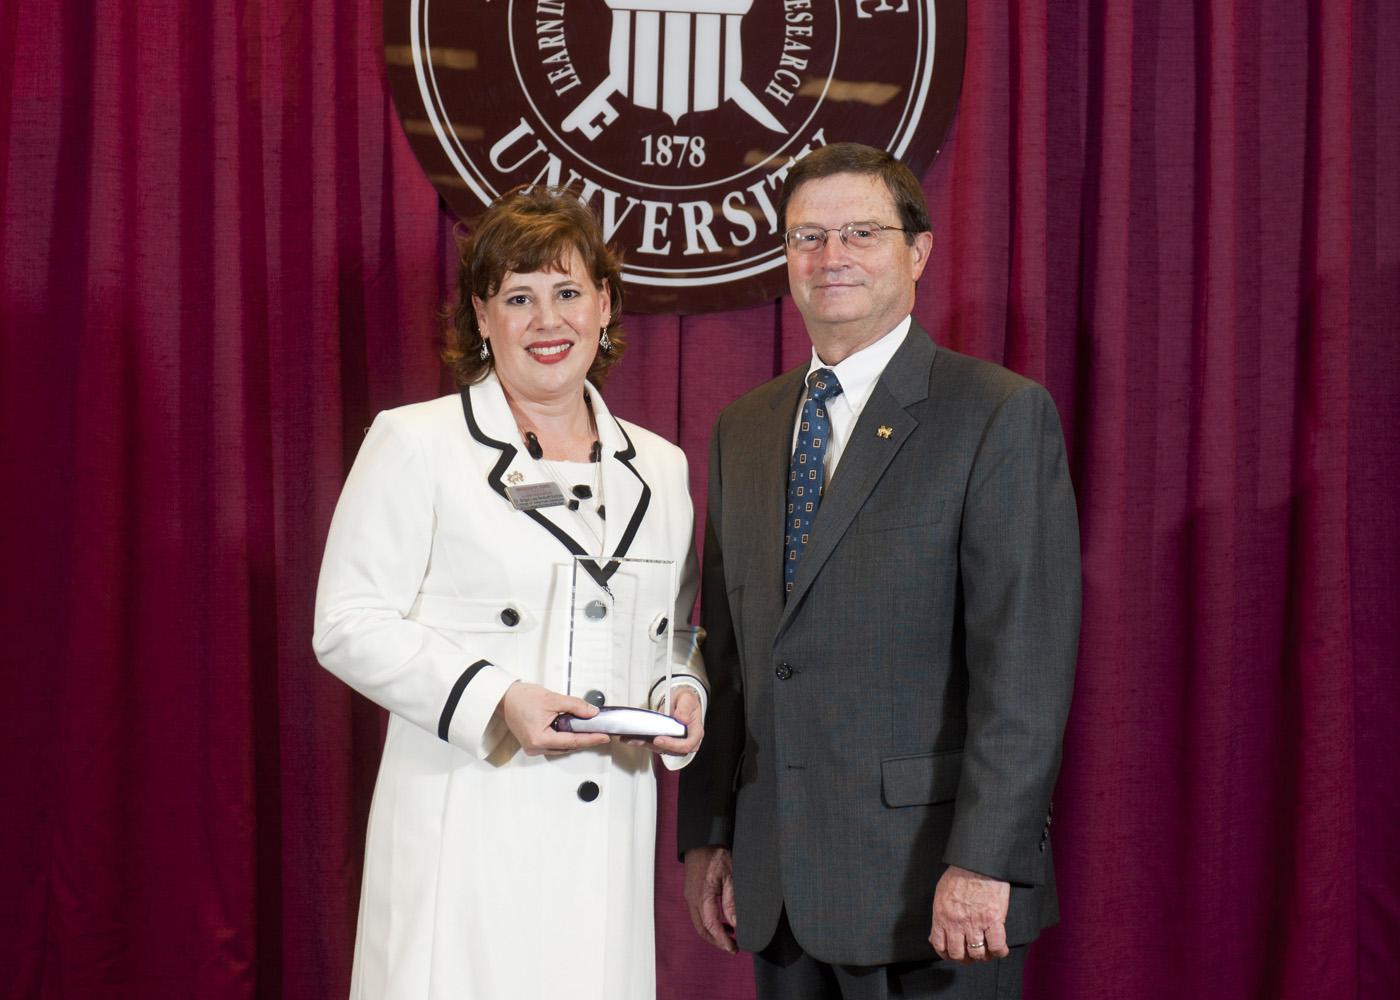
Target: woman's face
x,y
543,330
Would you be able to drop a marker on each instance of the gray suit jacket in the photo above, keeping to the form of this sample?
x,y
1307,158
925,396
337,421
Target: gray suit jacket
x,y
903,710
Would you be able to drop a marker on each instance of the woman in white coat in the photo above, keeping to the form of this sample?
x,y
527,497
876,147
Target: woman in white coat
x,y
506,860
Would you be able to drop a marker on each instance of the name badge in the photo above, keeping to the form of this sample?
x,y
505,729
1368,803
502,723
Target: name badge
x,y
532,496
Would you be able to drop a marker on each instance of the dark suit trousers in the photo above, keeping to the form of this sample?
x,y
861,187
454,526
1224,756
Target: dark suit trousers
x,y
784,971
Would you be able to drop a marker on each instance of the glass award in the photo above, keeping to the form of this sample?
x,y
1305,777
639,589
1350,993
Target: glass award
x,y
620,641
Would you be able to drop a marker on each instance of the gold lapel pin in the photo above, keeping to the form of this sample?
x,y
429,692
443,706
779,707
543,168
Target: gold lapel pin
x,y
884,431
515,478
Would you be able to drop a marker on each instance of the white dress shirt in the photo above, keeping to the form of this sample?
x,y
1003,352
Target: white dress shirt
x,y
857,375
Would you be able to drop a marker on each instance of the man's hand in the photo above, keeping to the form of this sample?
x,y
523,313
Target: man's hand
x,y
685,706
529,712
709,893
969,916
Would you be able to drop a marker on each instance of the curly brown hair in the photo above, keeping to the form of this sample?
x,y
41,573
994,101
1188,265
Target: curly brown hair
x,y
528,229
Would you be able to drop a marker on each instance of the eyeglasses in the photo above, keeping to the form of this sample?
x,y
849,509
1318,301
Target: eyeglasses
x,y
856,235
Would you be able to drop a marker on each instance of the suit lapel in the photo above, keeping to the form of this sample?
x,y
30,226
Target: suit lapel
x,y
625,493
866,456
764,458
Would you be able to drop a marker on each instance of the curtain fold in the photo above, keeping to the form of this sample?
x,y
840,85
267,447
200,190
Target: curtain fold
x,y
219,259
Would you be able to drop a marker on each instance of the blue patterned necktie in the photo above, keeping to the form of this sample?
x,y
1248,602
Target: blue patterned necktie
x,y
806,478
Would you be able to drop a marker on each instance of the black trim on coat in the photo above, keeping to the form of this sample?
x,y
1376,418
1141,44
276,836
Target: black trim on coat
x,y
625,457
601,574
449,709
674,677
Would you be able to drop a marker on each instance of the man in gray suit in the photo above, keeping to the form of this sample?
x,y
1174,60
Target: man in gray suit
x,y
891,592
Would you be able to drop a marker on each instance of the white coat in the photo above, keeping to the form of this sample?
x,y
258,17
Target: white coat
x,y
487,873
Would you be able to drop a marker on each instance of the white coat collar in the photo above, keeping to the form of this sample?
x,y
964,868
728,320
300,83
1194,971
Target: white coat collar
x,y
624,491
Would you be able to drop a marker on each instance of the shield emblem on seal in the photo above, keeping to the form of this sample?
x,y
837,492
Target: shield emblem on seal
x,y
674,56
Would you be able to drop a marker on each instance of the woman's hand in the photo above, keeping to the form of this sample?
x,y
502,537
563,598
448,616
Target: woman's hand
x,y
685,706
529,711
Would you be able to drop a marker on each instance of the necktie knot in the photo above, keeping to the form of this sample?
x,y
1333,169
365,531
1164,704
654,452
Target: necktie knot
x,y
823,384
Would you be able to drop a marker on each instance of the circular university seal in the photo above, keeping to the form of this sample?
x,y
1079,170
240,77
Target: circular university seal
x,y
676,120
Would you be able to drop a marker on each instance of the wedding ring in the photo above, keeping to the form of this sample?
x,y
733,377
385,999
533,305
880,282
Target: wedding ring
x,y
979,944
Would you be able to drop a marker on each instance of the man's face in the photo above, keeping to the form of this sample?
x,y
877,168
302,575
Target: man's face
x,y
851,297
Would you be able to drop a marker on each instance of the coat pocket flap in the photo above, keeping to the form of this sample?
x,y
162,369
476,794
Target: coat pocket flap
x,y
460,614
920,780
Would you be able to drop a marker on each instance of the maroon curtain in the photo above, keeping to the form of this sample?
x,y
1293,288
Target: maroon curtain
x,y
219,259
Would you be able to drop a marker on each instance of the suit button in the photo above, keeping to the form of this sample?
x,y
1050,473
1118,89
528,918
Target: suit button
x,y
510,618
595,611
783,672
588,791
595,698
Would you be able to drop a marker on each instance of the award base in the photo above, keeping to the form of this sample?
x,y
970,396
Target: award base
x,y
638,723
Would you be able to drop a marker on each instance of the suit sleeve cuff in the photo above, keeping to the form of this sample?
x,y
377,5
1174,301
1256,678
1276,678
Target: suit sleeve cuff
x,y
718,833
470,720
1023,867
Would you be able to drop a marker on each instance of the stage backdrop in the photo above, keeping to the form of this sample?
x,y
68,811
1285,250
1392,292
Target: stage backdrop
x,y
219,260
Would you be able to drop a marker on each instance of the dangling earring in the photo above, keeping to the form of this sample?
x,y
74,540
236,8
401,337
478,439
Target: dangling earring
x,y
604,341
485,350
